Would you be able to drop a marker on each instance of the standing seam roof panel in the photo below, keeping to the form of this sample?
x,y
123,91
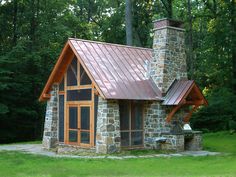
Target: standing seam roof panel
x,y
117,70
103,69
112,67
177,92
126,72
126,61
110,71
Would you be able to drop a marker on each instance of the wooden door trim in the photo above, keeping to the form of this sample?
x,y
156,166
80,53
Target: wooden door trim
x,y
91,125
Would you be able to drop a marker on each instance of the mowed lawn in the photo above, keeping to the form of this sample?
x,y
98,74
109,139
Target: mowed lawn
x,y
26,165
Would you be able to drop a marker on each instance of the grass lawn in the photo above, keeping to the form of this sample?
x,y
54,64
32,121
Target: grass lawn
x,y
25,165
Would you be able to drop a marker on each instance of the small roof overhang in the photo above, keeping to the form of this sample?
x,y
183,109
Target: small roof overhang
x,y
182,93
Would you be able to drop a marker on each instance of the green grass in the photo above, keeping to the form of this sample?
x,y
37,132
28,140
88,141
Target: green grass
x,y
26,165
220,141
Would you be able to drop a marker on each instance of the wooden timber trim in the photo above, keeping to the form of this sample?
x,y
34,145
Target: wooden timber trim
x,y
196,105
79,130
197,102
67,54
53,74
47,95
184,102
197,91
173,111
189,115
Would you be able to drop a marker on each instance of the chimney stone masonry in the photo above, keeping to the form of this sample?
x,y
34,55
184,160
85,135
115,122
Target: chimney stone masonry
x,y
169,60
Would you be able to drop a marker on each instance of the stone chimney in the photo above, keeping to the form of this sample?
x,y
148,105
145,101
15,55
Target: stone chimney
x,y
169,60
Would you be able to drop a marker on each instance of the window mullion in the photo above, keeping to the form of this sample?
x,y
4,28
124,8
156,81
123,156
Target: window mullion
x,y
78,73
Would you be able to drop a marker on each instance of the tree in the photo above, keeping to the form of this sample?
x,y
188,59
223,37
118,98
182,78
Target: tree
x,y
128,22
190,40
33,33
168,8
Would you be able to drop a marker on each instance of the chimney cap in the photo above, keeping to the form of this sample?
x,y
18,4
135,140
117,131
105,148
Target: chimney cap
x,y
164,22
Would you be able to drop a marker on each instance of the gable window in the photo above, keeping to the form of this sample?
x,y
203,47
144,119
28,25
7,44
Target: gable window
x,y
84,79
131,124
72,73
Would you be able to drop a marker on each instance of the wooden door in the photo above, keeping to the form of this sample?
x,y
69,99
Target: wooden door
x,y
79,125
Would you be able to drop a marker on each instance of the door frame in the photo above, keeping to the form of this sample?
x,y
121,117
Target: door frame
x,y
79,104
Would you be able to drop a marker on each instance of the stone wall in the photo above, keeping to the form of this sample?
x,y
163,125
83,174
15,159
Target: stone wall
x,y
154,123
169,60
158,134
194,142
108,126
50,134
167,64
174,142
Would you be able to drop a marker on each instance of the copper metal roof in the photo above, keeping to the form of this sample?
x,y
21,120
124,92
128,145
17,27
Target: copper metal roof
x,y
118,70
177,92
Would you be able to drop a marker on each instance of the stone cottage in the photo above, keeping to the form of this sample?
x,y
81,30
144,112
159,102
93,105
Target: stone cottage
x,y
104,97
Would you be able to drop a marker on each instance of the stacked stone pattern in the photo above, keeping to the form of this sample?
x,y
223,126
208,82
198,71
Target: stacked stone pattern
x,y
50,134
108,126
169,60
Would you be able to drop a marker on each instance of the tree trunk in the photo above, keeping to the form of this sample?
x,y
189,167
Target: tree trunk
x,y
14,39
190,41
233,41
128,23
32,22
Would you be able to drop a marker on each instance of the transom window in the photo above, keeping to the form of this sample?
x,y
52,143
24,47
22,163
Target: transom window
x,y
131,124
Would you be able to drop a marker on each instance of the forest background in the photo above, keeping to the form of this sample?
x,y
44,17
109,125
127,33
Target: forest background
x,y
33,32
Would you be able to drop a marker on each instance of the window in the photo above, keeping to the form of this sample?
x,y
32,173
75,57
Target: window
x,y
73,124
84,79
61,85
72,73
131,123
76,75
79,95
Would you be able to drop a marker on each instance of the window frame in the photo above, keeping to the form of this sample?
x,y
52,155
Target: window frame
x,y
78,104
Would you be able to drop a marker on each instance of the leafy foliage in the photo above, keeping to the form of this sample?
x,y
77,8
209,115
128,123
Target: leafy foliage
x,y
33,33
220,114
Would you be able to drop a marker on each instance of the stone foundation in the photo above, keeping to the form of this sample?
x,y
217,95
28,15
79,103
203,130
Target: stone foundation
x,y
71,149
50,134
108,126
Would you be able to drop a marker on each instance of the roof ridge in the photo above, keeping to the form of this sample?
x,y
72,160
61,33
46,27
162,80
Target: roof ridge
x,y
85,40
